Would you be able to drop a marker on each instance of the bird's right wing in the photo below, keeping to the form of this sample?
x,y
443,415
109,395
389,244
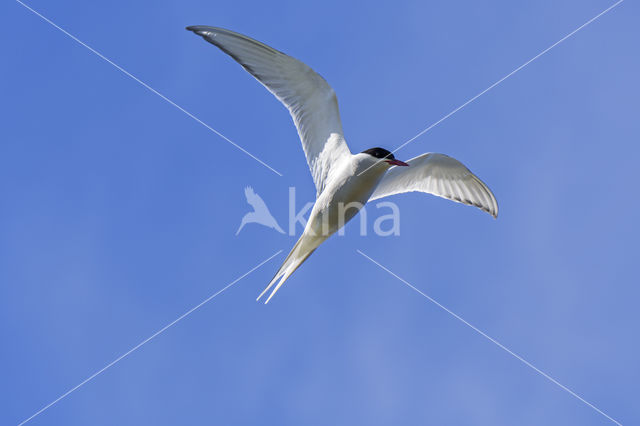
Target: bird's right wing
x,y
440,175
311,101
254,200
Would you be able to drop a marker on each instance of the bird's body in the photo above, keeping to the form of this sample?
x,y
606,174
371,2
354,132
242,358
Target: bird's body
x,y
341,200
345,194
344,181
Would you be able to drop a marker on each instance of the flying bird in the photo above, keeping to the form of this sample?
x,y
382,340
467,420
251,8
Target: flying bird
x,y
260,213
342,179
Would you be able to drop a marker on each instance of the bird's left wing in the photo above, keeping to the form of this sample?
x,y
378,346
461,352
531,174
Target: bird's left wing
x,y
311,101
440,175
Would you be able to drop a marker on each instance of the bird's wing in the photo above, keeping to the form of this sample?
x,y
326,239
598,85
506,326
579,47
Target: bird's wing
x,y
254,200
440,175
249,193
309,98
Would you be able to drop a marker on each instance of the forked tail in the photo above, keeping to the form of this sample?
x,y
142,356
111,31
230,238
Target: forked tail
x,y
303,249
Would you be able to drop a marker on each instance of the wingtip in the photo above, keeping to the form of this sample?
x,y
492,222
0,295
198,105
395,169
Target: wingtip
x,y
198,29
204,29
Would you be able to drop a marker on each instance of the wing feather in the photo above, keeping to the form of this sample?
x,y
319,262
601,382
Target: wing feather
x,y
440,175
312,103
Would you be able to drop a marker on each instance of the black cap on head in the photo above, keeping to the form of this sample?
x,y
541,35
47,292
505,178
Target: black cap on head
x,y
379,153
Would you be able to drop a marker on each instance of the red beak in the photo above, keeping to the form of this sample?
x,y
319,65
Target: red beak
x,y
397,163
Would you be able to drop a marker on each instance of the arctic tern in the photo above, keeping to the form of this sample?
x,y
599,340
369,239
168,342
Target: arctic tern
x,y
344,181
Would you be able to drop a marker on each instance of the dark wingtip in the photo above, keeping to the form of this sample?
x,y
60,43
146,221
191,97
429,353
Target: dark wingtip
x,y
196,28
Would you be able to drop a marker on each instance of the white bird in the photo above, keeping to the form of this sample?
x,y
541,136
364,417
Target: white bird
x,y
344,181
260,213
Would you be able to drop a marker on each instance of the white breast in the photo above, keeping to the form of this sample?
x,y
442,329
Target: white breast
x,y
345,195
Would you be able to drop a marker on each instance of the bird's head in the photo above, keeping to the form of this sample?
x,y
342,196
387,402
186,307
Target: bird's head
x,y
382,156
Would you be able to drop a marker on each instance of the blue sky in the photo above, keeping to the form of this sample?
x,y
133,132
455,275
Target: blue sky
x,y
119,214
